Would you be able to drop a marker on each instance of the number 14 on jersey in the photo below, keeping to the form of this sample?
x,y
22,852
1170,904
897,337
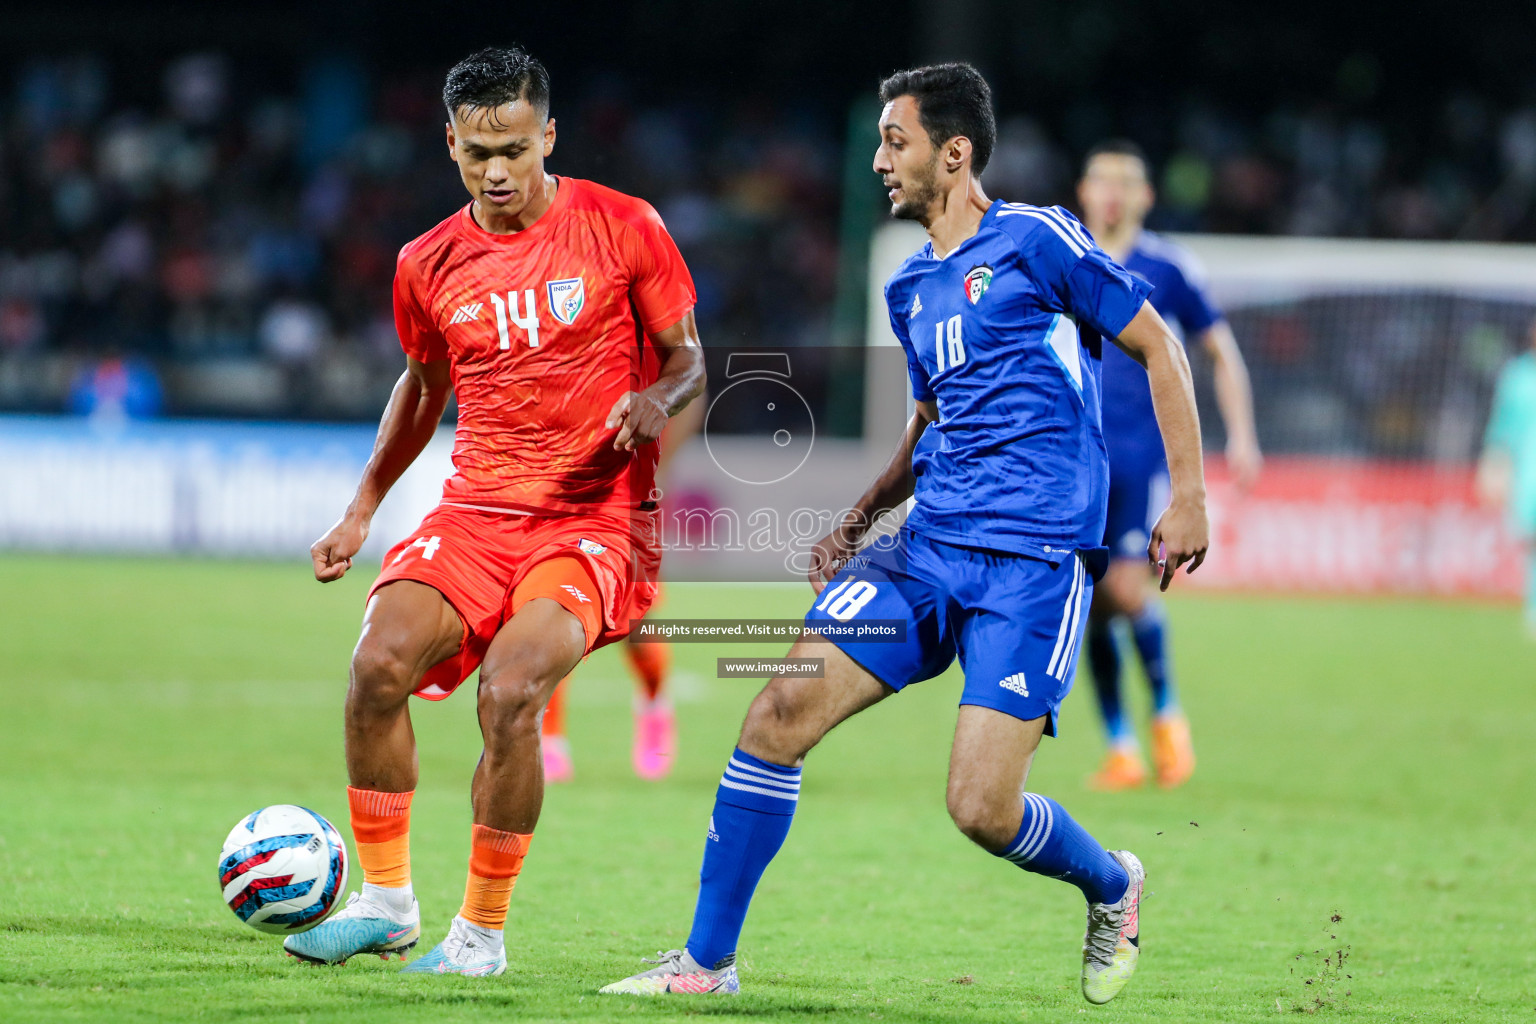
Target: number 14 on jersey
x,y
507,309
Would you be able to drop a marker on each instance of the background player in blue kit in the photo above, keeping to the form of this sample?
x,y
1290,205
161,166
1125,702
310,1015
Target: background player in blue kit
x,y
1003,316
1116,196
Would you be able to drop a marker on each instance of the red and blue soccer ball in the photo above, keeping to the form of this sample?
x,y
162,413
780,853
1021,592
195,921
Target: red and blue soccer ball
x,y
283,869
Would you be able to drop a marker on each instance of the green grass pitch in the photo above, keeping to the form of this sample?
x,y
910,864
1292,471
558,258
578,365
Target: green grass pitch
x,y
1366,759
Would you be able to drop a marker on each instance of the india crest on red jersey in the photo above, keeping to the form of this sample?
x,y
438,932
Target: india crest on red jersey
x,y
566,299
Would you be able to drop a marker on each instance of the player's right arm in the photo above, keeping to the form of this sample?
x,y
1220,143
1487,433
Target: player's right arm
x,y
1188,298
410,419
1234,396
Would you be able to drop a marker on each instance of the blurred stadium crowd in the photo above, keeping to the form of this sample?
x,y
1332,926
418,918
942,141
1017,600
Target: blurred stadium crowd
x,y
217,245
241,247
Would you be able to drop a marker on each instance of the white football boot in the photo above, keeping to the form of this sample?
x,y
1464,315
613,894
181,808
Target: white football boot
x,y
679,972
468,950
364,925
1113,941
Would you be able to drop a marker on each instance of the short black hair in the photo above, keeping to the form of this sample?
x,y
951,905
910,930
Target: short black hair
x,y
952,99
1118,147
496,75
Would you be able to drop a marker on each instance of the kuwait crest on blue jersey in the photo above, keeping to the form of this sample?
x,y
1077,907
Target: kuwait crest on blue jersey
x,y
566,299
977,280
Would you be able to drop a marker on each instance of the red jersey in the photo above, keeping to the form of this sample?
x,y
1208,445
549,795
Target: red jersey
x,y
545,329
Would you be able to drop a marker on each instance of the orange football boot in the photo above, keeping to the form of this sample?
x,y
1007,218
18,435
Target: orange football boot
x,y
1173,755
1122,769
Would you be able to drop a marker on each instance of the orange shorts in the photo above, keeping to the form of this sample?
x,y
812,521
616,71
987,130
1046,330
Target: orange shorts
x,y
600,568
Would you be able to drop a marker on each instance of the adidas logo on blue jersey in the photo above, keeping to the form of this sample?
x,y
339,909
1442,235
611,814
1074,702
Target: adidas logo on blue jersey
x,y
1015,683
917,305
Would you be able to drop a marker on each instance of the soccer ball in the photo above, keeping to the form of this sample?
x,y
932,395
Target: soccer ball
x,y
283,868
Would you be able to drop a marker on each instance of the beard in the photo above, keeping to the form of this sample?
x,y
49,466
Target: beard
x,y
922,193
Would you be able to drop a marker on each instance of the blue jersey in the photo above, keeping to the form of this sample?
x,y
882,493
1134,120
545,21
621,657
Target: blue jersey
x,y
1005,335
1178,295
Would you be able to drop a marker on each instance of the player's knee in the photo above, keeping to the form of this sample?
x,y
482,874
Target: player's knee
x,y
765,725
1104,607
987,822
509,703
776,724
380,676
1126,585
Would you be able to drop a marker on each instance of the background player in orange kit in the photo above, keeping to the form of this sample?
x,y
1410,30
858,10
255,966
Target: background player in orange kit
x,y
533,305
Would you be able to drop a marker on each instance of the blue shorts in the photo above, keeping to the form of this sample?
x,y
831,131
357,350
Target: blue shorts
x,y
1138,494
1015,622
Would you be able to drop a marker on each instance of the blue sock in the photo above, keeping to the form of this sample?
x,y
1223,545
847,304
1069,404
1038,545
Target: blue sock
x,y
753,808
1050,843
1104,659
1150,629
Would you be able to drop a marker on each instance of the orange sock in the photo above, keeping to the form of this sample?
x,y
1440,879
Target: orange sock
x,y
381,825
651,661
495,858
554,711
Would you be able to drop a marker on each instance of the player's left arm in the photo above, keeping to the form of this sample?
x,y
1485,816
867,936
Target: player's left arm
x,y
1234,396
1182,533
640,416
